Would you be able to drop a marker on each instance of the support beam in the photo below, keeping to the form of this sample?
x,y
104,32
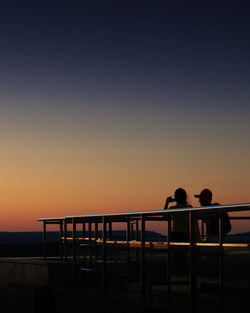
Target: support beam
x,y
128,238
221,256
110,231
60,240
104,253
192,276
90,243
143,257
83,230
65,241
169,268
44,241
74,246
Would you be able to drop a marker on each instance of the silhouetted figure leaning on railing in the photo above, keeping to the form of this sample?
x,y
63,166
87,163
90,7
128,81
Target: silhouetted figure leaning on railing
x,y
179,231
211,219
180,227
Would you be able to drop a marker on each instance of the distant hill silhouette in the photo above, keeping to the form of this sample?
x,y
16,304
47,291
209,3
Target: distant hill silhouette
x,y
30,244
240,237
53,236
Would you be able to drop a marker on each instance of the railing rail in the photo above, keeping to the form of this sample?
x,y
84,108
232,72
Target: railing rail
x,y
227,207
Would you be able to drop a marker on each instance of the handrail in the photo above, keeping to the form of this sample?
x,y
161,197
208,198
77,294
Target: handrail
x,y
228,207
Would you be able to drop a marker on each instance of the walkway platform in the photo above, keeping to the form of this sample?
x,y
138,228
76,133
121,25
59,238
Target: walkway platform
x,y
32,285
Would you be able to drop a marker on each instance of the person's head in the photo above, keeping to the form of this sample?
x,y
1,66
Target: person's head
x,y
205,197
180,196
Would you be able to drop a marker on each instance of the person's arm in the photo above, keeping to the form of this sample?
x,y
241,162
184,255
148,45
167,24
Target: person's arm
x,y
168,200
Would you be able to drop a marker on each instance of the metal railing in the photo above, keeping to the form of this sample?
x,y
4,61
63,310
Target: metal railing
x,y
138,219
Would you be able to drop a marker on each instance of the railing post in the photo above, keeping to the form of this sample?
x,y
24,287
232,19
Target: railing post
x,y
90,243
128,231
65,240
96,231
110,231
191,259
44,241
137,249
83,242
221,256
83,231
60,238
90,231
132,230
143,265
96,238
128,234
137,229
104,253
169,268
74,245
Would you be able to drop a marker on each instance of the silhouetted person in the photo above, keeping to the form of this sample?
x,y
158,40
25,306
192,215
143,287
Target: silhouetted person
x,y
180,228
179,231
212,218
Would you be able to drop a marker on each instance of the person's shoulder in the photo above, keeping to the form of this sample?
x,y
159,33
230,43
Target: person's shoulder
x,y
173,207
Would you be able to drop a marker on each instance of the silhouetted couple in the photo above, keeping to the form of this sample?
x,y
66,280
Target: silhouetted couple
x,y
180,228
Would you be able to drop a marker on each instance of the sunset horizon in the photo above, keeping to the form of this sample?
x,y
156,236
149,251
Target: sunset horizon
x,y
111,107
125,173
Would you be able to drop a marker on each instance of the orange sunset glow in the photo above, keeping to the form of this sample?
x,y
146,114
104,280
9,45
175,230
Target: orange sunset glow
x,y
61,174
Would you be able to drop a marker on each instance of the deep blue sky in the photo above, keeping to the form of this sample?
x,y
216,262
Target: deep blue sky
x,y
145,49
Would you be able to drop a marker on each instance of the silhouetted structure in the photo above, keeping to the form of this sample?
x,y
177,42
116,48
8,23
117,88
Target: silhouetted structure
x,y
98,253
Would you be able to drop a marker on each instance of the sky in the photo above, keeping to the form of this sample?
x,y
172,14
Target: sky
x,y
109,106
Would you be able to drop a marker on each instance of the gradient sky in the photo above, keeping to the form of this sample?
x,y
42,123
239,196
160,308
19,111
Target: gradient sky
x,y
110,106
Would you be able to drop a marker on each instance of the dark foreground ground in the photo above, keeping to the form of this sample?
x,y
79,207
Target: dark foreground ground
x,y
78,299
86,294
